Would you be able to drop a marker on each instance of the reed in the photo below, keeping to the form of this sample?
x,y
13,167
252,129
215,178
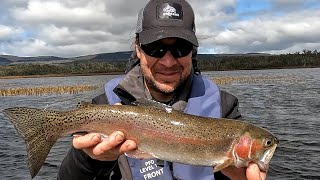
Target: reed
x,y
31,91
227,80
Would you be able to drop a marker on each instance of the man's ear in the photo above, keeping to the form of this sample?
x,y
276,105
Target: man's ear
x,y
194,51
138,51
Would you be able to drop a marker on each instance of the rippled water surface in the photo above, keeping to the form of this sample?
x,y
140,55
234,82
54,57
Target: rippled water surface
x,y
286,102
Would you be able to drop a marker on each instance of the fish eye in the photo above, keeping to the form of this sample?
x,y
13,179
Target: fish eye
x,y
268,142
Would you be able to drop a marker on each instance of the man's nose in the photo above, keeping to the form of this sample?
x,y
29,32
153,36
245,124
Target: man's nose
x,y
168,60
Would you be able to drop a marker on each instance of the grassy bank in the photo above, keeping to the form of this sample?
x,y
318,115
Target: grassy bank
x,y
227,80
37,91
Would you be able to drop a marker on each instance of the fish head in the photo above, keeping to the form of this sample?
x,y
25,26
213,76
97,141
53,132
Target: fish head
x,y
255,145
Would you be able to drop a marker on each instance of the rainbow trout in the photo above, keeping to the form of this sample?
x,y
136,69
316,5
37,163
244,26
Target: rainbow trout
x,y
160,132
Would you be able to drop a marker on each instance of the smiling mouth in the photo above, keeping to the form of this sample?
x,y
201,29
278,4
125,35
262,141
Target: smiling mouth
x,y
168,73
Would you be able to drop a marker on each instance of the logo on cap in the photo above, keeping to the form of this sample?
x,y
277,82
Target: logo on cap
x,y
169,11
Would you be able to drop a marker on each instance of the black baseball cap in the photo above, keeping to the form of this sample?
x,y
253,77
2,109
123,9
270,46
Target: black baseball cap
x,y
166,18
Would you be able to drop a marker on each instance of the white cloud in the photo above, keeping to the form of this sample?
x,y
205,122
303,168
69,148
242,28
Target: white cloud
x,y
63,36
7,32
74,28
269,33
36,47
55,12
79,27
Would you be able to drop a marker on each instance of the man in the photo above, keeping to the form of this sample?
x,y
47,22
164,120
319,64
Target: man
x,y
165,46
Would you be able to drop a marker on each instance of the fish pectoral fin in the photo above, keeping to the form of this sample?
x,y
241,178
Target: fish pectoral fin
x,y
223,165
138,154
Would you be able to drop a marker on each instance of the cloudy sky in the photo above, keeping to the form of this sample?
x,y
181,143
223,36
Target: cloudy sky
x,y
69,28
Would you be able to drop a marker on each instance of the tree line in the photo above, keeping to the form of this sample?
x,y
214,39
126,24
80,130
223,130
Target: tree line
x,y
26,69
232,62
207,62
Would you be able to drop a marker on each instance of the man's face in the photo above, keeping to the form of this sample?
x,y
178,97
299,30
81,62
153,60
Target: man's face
x,y
165,73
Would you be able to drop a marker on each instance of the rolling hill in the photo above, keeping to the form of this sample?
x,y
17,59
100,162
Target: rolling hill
x,y
103,57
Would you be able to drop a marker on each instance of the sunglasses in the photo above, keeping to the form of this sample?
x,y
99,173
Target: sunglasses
x,y
180,48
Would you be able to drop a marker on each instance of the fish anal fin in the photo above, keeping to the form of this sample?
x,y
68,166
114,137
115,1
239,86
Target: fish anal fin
x,y
38,150
223,165
138,154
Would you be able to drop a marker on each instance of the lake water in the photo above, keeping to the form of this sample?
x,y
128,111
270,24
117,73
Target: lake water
x,y
286,102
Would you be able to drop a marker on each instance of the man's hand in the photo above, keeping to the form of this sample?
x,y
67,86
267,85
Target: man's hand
x,y
104,149
252,172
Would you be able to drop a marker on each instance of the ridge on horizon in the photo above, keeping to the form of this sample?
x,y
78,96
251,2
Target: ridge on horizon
x,y
108,57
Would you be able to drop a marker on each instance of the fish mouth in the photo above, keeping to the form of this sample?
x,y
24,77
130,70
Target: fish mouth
x,y
263,162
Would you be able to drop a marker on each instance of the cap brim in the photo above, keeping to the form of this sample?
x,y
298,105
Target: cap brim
x,y
151,35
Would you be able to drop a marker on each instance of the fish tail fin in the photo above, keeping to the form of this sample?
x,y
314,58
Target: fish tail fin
x,y
31,124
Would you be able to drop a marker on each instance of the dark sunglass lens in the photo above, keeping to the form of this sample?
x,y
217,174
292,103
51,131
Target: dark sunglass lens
x,y
153,49
181,49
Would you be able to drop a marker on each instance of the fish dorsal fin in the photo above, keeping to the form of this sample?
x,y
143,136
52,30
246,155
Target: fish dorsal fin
x,y
152,103
83,104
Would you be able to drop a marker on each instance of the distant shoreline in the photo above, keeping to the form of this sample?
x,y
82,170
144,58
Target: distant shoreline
x,y
121,73
59,75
